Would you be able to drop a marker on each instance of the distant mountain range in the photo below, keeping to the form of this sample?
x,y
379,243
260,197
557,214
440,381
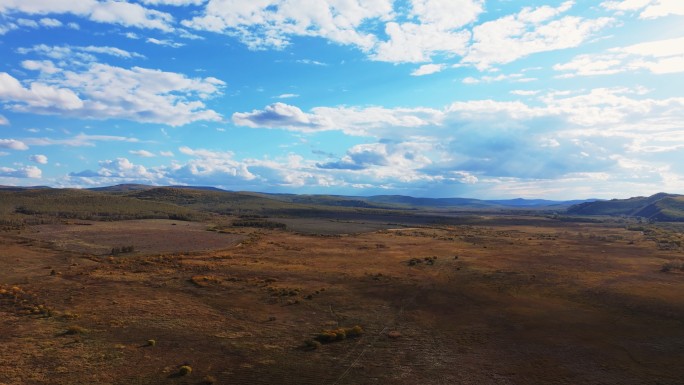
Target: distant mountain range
x,y
377,201
658,207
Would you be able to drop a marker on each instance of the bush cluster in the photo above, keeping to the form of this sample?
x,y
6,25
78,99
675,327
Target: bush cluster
x,y
122,250
327,336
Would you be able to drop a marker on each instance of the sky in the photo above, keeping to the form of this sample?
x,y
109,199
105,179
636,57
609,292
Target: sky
x,y
486,99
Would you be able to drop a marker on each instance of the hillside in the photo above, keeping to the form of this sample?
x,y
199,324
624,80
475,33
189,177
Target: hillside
x,y
46,205
658,207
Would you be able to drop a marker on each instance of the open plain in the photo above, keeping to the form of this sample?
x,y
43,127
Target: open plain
x,y
459,299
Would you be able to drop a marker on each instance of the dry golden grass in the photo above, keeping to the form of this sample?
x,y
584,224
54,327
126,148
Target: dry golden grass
x,y
500,304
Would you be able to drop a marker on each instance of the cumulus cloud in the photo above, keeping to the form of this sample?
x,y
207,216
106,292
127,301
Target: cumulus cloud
x,y
102,91
280,115
77,54
516,77
13,144
120,169
271,23
23,172
173,2
110,11
351,120
164,42
658,57
447,14
80,140
649,9
38,95
428,69
556,135
530,31
415,43
142,153
40,159
287,96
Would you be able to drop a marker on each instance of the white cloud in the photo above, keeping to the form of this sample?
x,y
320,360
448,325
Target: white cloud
x,y
80,140
164,42
173,2
123,168
351,120
517,78
415,43
40,159
530,31
50,22
659,57
24,172
142,153
45,66
287,96
311,62
13,144
37,96
447,14
4,121
110,11
101,91
270,23
210,164
525,92
428,69
77,54
167,154
650,9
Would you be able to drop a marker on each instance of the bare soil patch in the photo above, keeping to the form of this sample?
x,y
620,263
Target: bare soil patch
x,y
498,303
146,236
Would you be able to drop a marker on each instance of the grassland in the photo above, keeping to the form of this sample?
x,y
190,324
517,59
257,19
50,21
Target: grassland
x,y
439,297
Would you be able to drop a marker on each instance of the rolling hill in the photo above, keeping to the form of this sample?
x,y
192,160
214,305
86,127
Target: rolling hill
x,y
661,207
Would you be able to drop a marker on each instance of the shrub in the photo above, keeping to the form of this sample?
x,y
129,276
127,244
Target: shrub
x,y
673,265
185,370
311,344
208,380
72,330
151,342
327,336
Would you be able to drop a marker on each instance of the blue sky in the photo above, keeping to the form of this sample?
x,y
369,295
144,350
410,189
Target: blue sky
x,y
434,98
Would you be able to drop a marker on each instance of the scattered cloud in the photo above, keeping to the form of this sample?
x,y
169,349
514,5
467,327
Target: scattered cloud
x,y
530,31
40,159
271,23
351,120
77,54
23,172
517,78
110,12
658,57
287,96
648,9
525,92
142,153
4,121
102,91
164,42
167,153
311,62
428,69
173,2
80,140
13,144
